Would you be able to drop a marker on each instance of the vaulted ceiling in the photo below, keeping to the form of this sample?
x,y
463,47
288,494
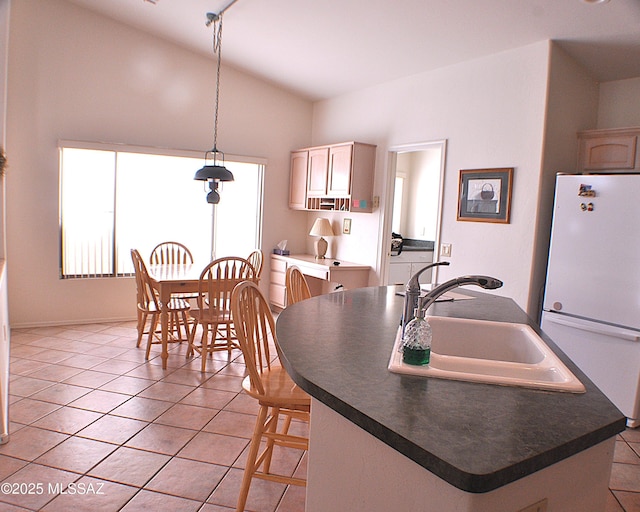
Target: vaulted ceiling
x,y
325,48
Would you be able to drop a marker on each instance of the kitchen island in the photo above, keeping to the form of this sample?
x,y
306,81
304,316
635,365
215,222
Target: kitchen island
x,y
384,441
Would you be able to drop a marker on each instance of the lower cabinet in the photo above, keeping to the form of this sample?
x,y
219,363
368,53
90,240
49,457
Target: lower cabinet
x,y
403,266
322,275
277,285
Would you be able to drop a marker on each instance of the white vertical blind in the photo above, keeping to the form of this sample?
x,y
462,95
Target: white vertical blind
x,y
114,200
238,215
87,209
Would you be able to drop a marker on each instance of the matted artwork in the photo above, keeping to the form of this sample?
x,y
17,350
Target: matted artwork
x,y
485,195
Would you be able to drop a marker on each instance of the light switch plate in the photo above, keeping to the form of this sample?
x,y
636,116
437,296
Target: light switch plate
x,y
445,250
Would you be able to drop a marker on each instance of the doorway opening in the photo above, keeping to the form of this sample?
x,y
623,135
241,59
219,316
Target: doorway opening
x,y
413,211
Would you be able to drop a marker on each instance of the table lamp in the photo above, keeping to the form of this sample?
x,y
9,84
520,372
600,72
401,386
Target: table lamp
x,y
321,227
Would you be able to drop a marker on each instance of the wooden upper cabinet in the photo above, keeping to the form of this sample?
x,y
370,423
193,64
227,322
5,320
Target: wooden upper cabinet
x,y
338,177
317,175
363,163
609,150
298,181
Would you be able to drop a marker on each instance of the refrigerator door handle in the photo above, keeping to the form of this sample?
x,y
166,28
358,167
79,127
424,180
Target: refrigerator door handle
x,y
609,331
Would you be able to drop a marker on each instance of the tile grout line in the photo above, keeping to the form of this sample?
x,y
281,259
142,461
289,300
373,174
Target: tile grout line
x,y
152,421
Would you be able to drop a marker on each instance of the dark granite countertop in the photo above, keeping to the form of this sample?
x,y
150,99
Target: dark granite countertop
x,y
417,245
477,437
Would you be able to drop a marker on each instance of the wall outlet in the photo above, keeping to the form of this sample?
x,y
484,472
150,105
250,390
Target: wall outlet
x,y
445,250
540,506
376,201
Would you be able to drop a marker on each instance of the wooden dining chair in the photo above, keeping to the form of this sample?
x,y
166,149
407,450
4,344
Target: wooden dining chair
x,y
170,253
213,311
149,308
256,258
296,285
270,384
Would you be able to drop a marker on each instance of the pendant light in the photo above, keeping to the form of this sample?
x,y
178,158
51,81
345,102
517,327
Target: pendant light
x,y
215,172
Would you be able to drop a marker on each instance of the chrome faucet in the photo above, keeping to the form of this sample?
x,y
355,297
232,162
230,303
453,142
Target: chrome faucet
x,y
486,282
412,293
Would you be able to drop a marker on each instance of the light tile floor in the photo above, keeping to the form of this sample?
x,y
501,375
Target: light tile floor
x,y
90,417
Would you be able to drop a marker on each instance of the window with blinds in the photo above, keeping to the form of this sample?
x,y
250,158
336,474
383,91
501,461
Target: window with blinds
x,y
113,199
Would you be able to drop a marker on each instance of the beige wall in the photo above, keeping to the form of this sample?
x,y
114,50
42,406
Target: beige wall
x,y
76,75
4,60
491,111
619,104
572,101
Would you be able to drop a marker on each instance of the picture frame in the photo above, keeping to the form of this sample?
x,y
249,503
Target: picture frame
x,y
484,195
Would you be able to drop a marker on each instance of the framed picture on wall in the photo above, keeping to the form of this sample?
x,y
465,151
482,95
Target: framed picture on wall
x,y
484,195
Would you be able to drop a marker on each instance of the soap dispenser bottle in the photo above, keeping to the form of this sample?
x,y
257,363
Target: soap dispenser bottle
x,y
416,343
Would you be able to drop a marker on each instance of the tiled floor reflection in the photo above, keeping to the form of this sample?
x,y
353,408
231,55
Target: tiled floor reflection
x,y
90,417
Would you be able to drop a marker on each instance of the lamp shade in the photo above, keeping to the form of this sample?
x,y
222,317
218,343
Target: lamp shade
x,y
214,172
321,227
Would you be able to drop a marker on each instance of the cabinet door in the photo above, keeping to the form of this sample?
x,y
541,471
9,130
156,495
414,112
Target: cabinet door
x,y
339,181
278,296
317,177
298,180
277,288
399,273
608,152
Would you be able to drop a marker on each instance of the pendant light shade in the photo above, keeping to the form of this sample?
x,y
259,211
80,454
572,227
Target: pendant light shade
x,y
214,172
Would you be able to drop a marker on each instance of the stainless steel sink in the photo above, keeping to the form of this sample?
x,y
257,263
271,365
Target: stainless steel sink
x,y
507,354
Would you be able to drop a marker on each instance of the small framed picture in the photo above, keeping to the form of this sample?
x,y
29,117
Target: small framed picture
x,y
346,226
485,195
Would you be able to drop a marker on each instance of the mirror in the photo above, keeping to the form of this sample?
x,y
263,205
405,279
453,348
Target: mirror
x,y
414,209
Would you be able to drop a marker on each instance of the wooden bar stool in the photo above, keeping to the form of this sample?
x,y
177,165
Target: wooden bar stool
x,y
270,385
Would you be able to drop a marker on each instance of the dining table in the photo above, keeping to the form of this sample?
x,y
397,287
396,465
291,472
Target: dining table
x,y
169,279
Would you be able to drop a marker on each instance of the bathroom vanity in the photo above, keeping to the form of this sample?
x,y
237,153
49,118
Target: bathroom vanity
x,y
384,441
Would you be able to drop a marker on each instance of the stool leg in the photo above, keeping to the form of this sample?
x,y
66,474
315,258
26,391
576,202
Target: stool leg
x,y
152,329
272,428
204,346
192,338
185,321
250,464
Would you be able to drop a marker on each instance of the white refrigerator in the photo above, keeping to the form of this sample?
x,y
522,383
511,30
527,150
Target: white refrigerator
x,y
591,304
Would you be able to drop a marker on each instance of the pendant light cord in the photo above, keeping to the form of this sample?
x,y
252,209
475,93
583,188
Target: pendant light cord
x,y
217,50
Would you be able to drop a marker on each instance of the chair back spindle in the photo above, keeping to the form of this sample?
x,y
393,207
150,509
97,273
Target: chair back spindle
x,y
170,253
256,259
296,285
213,312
